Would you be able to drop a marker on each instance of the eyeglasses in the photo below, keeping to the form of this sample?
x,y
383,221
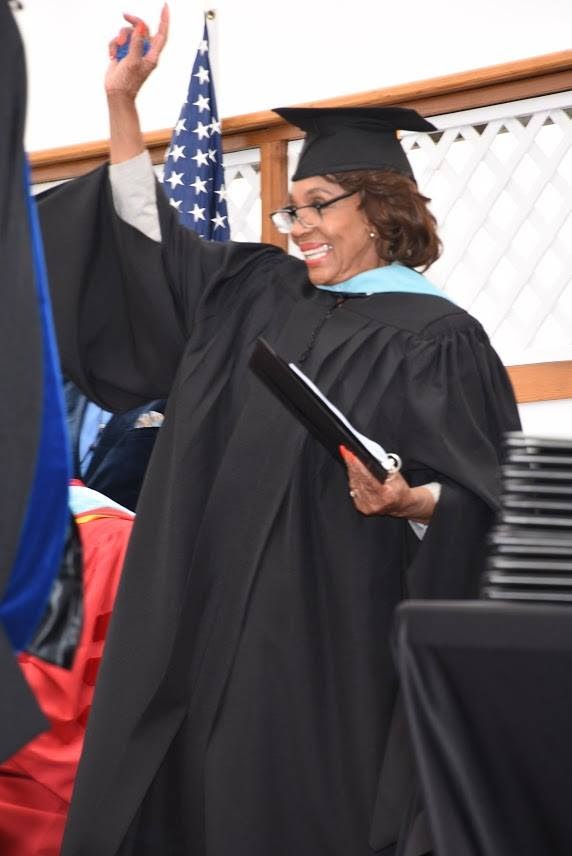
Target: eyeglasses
x,y
285,218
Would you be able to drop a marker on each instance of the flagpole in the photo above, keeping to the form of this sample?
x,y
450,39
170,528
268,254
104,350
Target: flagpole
x,y
210,16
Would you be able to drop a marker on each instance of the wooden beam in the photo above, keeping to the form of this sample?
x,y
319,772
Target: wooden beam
x,y
542,381
273,188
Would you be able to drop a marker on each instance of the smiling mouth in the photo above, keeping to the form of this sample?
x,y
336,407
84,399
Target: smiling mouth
x,y
316,254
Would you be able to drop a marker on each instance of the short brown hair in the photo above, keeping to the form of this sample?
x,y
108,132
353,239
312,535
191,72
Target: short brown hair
x,y
407,230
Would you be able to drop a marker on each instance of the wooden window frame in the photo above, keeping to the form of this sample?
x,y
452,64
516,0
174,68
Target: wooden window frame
x,y
528,78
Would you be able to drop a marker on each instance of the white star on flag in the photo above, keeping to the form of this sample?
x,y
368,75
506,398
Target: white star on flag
x,y
201,158
198,213
218,220
203,173
175,179
177,152
202,131
202,103
200,185
202,74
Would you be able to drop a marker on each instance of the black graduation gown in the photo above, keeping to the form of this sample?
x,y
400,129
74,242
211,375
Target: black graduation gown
x,y
20,371
248,688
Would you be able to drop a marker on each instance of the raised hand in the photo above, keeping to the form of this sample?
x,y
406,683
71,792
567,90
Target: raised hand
x,y
125,77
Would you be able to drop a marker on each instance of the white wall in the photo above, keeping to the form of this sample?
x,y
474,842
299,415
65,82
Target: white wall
x,y
270,53
547,418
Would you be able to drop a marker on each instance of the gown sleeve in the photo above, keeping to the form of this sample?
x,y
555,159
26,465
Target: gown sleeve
x,y
125,305
458,404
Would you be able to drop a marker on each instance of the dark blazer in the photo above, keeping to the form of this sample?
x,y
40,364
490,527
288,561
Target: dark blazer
x,y
120,458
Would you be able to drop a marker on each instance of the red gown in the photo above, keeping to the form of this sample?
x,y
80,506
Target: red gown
x,y
36,783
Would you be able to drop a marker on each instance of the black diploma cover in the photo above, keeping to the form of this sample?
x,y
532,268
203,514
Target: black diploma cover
x,y
314,411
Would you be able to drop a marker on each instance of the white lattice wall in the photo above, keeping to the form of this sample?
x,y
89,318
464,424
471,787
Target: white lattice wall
x,y
500,180
501,184
242,180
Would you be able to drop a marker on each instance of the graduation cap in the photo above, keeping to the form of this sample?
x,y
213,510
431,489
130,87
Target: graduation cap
x,y
340,139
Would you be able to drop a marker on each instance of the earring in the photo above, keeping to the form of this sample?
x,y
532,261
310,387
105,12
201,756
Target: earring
x,y
372,235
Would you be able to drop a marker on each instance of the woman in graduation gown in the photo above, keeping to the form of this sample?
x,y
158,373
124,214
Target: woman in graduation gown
x,y
248,700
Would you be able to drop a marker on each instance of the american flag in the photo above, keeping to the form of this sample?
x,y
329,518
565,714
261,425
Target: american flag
x,y
193,177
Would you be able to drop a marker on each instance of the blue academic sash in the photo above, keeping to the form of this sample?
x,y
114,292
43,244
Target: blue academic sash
x,y
391,278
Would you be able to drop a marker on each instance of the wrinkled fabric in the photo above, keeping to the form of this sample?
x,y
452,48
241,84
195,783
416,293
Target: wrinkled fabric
x,y
488,701
250,645
36,783
58,635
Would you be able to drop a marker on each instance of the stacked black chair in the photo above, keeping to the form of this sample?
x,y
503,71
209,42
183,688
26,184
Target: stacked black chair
x,y
530,555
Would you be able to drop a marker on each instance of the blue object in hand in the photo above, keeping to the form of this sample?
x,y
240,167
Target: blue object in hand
x,y
124,48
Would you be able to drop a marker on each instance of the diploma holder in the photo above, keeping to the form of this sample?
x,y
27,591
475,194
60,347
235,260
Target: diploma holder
x,y
311,407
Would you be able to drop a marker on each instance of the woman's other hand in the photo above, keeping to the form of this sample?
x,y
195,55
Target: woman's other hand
x,y
125,77
393,497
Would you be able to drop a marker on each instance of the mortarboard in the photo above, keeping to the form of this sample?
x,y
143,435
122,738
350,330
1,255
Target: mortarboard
x,y
340,139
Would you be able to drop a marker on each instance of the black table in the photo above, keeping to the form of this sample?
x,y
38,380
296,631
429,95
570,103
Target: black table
x,y
488,698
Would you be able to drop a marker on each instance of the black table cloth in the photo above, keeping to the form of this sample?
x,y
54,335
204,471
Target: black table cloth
x,y
488,698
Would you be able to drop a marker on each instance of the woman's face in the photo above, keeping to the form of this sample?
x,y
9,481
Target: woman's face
x,y
337,245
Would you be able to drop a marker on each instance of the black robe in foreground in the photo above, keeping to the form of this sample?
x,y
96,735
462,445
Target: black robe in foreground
x,y
248,688
21,368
